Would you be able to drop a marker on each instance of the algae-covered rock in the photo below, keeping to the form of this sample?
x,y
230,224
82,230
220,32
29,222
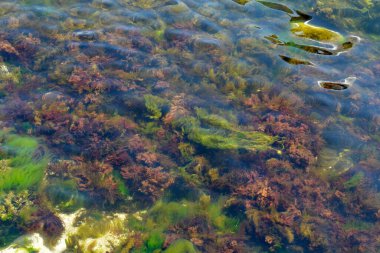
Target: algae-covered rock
x,y
206,44
12,205
98,233
317,33
242,2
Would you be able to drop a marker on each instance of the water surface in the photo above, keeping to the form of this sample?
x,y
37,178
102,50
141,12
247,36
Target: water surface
x,y
189,126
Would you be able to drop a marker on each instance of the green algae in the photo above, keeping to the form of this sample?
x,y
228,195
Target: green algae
x,y
154,105
154,241
222,223
187,151
183,246
13,211
218,133
354,181
23,167
217,130
214,120
158,219
25,170
167,214
10,74
98,232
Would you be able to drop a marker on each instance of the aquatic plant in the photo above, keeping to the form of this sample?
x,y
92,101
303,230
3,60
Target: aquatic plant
x,y
181,246
155,105
354,180
97,232
43,221
12,205
167,221
218,133
166,214
154,241
146,182
182,109
297,136
26,163
9,74
95,179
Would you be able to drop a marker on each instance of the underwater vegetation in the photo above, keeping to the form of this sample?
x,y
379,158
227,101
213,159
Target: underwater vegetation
x,y
23,163
189,126
218,133
23,167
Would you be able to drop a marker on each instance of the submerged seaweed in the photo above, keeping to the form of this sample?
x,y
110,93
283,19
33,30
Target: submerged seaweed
x,y
189,126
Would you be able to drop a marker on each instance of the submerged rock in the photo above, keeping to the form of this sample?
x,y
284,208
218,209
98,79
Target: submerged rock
x,y
177,34
86,35
242,2
331,162
295,61
333,85
307,31
208,26
204,44
337,85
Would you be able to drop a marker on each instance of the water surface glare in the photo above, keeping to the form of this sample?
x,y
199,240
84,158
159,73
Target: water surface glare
x,y
224,126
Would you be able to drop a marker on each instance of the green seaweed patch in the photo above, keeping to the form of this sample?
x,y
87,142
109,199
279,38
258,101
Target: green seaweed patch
x,y
221,222
123,190
186,150
155,241
181,245
215,132
358,225
214,120
98,232
354,181
155,106
14,210
166,214
10,74
150,128
26,163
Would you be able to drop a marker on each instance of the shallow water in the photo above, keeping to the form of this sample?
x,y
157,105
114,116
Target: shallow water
x,y
189,126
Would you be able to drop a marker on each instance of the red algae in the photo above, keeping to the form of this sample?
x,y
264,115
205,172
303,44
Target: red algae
x,y
175,125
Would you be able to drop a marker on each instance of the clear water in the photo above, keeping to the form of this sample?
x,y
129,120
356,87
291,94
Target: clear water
x,y
189,126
